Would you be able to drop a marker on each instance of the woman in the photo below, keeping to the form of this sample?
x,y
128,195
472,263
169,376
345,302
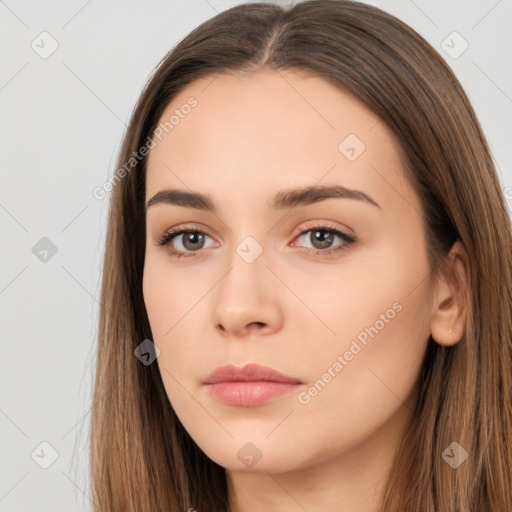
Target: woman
x,y
307,280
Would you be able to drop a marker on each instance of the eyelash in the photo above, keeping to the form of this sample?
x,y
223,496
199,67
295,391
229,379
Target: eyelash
x,y
168,236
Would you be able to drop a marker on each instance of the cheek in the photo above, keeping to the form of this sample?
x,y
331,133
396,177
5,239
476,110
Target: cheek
x,y
165,306
363,381
372,296
167,293
155,299
368,367
173,306
374,309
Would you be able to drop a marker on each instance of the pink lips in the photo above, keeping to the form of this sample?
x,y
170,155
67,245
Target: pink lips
x,y
248,386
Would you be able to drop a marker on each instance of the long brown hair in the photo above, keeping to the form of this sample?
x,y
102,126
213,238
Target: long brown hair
x,y
142,459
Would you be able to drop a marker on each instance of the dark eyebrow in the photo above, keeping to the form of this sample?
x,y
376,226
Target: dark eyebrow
x,y
283,199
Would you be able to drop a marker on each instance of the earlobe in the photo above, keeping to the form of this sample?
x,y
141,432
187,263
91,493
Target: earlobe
x,y
448,321
447,336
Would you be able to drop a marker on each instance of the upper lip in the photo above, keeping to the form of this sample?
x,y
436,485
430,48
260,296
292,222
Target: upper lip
x,y
248,373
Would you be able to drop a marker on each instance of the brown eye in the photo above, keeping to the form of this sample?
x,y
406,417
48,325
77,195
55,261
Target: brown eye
x,y
193,240
322,239
190,240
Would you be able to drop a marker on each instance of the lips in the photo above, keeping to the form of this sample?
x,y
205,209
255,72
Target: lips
x,y
250,386
248,373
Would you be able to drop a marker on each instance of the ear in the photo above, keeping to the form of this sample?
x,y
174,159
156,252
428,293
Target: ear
x,y
448,320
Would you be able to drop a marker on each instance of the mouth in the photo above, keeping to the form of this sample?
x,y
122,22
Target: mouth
x,y
249,386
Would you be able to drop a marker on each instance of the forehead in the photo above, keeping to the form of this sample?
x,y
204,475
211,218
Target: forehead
x,y
271,130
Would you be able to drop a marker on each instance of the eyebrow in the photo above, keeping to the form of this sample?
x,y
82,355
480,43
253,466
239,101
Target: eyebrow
x,y
283,199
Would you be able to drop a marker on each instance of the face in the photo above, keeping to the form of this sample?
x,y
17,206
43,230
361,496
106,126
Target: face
x,y
327,288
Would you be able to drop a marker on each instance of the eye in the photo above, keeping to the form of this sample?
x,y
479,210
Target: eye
x,y
192,240
322,238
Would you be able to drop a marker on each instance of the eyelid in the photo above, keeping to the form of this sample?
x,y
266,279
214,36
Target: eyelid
x,y
323,224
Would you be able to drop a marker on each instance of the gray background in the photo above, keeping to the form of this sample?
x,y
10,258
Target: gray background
x,y
62,120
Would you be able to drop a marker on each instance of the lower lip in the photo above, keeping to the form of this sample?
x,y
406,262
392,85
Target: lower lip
x,y
249,394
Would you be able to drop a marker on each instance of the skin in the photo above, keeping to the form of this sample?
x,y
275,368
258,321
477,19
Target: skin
x,y
248,137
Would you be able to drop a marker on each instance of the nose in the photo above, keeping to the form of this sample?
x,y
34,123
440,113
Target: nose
x,y
246,302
